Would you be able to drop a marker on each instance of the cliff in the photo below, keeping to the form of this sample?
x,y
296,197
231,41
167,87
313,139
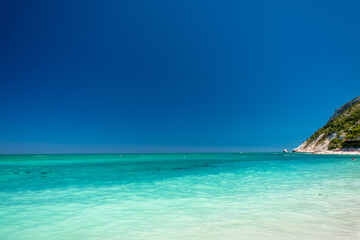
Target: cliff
x,y
340,133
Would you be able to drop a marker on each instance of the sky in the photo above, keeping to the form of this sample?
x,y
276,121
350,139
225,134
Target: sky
x,y
173,76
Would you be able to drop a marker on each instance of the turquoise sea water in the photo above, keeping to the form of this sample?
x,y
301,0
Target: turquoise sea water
x,y
179,196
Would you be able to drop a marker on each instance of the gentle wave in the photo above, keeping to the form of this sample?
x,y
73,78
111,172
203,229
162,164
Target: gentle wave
x,y
179,196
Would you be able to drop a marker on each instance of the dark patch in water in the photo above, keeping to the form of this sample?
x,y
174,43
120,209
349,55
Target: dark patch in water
x,y
15,172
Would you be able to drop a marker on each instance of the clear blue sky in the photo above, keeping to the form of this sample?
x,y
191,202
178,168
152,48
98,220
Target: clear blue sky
x,y
173,76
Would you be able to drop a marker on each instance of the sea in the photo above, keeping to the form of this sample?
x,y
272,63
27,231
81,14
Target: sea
x,y
180,196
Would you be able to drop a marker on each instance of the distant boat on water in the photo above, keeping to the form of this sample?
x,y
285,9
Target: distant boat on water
x,y
285,151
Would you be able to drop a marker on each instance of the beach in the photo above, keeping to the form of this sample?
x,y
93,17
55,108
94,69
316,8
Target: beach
x,y
339,152
332,152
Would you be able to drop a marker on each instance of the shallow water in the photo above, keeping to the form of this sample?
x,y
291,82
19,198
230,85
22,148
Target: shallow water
x,y
179,196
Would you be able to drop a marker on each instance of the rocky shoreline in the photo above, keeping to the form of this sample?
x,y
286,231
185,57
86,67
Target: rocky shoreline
x,y
354,152
340,135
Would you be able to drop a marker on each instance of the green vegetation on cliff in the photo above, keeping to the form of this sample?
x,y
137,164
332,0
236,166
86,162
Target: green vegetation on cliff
x,y
345,125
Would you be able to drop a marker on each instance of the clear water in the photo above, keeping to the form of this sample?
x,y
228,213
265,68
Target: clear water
x,y
179,196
